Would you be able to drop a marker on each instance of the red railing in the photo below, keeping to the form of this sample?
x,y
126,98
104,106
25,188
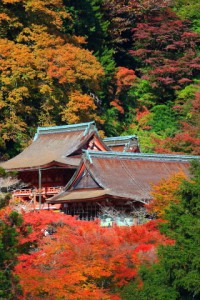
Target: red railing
x,y
53,190
31,192
22,192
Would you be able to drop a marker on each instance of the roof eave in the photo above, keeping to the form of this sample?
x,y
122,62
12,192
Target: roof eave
x,y
52,164
58,199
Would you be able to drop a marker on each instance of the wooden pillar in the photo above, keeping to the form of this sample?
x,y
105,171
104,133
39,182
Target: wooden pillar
x,y
34,199
40,187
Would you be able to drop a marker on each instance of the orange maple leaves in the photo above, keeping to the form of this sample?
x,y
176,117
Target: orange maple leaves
x,y
80,108
124,78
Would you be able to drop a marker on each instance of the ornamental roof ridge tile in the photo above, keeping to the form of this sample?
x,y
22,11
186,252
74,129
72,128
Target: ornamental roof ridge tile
x,y
64,128
150,156
122,138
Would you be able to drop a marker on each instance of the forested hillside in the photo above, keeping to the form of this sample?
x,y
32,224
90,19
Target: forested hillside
x,y
132,66
53,256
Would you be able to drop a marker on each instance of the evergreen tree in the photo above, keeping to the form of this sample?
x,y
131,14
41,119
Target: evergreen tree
x,y
9,247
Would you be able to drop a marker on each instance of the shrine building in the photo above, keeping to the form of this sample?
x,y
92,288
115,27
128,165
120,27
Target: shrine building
x,y
123,143
52,158
116,181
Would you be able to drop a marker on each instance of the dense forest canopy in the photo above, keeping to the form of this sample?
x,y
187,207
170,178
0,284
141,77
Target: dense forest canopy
x,y
132,66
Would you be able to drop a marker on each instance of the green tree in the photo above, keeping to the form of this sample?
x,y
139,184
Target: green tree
x,y
177,274
163,120
9,288
189,9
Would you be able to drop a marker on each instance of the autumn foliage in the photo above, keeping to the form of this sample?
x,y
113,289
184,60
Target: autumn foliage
x,y
167,46
164,194
80,107
41,67
80,259
76,61
187,139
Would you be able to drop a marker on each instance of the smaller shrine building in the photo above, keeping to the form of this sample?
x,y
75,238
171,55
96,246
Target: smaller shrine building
x,y
127,143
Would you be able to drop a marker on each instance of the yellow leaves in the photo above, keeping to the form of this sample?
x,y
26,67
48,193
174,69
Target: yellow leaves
x,y
37,37
101,133
80,108
65,62
5,80
2,102
14,124
25,68
81,102
44,88
17,95
17,13
52,9
165,193
41,68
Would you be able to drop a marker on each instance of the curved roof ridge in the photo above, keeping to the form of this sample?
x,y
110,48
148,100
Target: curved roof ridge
x,y
112,154
64,128
116,138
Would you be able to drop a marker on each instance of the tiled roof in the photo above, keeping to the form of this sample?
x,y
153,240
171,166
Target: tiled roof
x,y
127,143
85,127
53,145
128,175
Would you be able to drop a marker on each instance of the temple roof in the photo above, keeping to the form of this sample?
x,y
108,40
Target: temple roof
x,y
55,146
127,143
121,175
